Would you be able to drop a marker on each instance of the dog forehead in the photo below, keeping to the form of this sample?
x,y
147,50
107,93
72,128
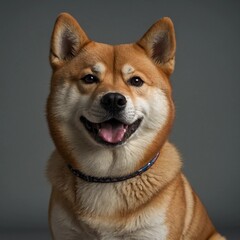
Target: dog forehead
x,y
97,56
122,57
130,58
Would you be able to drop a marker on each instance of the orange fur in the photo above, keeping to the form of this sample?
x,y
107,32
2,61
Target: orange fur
x,y
162,190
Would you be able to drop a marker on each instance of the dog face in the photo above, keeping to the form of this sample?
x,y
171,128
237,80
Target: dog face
x,y
110,96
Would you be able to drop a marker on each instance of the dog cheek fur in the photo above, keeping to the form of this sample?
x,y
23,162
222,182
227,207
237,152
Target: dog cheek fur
x,y
63,102
156,112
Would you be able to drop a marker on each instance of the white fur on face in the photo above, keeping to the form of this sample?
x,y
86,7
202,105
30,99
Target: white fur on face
x,y
155,109
99,68
65,103
97,114
127,70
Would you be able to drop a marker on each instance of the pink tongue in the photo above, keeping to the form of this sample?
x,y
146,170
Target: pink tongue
x,y
112,134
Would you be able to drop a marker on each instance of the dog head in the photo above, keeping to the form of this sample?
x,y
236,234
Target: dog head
x,y
110,96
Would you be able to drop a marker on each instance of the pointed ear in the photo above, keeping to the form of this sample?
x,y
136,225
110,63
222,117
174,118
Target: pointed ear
x,y
67,40
160,44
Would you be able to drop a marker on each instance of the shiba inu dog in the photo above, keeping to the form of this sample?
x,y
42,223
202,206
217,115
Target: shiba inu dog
x,y
114,174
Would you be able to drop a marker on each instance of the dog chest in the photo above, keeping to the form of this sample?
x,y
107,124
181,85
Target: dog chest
x,y
140,226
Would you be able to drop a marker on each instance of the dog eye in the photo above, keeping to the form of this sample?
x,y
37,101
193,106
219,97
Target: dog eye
x,y
136,81
90,79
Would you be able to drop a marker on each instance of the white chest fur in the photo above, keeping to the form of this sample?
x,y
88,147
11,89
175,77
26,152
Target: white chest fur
x,y
145,226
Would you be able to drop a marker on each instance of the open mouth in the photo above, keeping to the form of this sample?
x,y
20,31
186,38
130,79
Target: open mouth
x,y
111,132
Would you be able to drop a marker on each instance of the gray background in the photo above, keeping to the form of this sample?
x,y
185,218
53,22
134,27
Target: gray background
x,y
206,91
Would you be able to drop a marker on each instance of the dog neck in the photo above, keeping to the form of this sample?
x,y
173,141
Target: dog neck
x,y
89,178
160,174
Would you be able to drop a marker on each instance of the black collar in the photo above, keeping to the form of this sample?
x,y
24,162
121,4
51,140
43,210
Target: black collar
x,y
88,178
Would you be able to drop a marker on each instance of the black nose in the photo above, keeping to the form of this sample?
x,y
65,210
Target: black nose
x,y
113,102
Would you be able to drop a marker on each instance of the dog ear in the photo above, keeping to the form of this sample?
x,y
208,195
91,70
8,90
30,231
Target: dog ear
x,y
67,40
160,44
